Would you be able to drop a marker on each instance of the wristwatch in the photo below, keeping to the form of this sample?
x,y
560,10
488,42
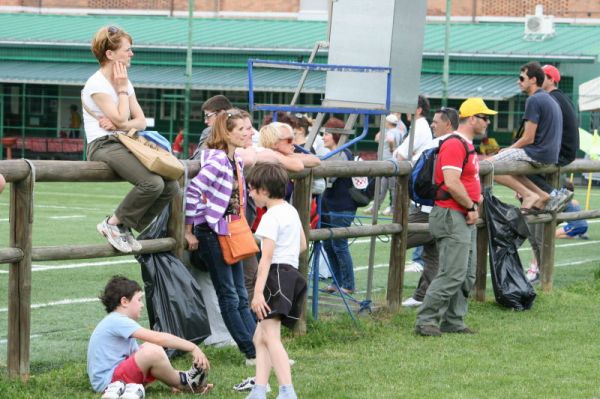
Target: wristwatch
x,y
473,207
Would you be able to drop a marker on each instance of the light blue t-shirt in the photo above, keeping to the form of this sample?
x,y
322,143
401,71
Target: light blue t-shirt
x,y
109,345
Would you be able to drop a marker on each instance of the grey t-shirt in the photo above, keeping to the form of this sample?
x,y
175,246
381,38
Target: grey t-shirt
x,y
542,109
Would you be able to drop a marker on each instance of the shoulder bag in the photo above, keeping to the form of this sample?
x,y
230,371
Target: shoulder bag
x,y
150,154
239,243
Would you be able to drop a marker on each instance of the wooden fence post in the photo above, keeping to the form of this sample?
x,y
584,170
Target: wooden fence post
x,y
301,200
482,247
19,277
547,245
176,224
398,246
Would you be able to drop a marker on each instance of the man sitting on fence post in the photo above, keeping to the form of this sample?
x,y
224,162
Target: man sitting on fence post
x,y
452,224
540,143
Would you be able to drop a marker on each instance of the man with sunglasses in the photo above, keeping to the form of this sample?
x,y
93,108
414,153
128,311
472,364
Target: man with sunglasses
x,y
452,224
540,142
211,109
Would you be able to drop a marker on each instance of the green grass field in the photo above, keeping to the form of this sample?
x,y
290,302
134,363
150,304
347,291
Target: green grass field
x,y
549,351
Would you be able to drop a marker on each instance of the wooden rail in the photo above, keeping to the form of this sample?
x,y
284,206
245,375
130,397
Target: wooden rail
x,y
24,174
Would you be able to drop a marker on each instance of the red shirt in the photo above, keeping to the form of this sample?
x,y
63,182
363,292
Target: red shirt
x,y
177,147
451,156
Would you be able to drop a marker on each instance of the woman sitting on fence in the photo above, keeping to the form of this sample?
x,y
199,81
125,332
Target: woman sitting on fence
x,y
109,105
213,196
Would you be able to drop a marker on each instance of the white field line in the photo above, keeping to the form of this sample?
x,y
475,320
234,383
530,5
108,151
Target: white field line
x,y
42,268
58,303
83,195
5,341
67,217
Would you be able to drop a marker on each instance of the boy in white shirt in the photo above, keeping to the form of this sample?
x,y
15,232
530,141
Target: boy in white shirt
x,y
280,289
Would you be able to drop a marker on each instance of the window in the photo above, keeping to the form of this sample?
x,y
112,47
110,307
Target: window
x,y
504,121
35,100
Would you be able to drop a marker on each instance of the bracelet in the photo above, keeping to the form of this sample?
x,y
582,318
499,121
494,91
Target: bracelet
x,y
122,92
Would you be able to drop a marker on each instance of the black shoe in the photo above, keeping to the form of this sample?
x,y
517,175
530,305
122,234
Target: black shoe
x,y
428,331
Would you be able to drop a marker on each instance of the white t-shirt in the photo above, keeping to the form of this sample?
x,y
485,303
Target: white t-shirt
x,y
281,224
422,137
97,83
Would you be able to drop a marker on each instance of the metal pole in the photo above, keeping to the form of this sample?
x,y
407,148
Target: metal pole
x,y
1,121
188,80
446,72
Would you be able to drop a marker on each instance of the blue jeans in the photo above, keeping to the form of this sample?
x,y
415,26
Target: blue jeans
x,y
231,291
417,255
338,252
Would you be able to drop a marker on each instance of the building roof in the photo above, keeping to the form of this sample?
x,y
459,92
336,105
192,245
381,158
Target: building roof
x,y
497,40
236,79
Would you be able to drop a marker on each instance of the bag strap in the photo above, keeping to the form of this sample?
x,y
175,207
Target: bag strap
x,y
240,186
131,133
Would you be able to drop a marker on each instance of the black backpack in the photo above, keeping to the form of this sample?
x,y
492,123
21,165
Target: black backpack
x,y
421,185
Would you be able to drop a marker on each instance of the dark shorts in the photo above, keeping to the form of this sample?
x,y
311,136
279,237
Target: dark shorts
x,y
284,292
575,231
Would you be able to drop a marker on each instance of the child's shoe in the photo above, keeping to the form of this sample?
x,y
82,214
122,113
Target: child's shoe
x,y
134,391
114,390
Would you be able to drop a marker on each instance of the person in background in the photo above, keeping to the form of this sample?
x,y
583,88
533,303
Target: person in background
x,y
422,133
302,125
280,289
119,367
339,210
75,122
178,144
395,130
488,146
445,122
211,108
109,104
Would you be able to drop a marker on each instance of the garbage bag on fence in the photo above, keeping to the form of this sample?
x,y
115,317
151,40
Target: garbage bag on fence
x,y
173,297
507,230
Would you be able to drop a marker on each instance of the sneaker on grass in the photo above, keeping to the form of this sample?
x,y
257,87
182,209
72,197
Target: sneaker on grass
x,y
413,267
133,243
247,385
134,391
411,303
196,378
114,390
114,236
533,274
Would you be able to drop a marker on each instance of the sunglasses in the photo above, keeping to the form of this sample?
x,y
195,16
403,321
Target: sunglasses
x,y
288,140
113,29
521,78
483,117
447,111
209,115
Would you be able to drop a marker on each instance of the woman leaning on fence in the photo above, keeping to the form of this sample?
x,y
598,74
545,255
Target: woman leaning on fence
x,y
216,194
109,105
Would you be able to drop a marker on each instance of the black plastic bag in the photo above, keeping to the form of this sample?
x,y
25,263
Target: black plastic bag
x,y
173,297
507,230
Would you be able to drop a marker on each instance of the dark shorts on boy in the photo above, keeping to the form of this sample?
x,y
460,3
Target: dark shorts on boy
x,y
284,293
574,231
129,372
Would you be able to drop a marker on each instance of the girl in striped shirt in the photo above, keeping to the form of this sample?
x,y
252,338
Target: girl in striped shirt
x,y
211,197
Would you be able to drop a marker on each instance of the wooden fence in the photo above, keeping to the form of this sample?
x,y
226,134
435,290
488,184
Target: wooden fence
x,y
23,175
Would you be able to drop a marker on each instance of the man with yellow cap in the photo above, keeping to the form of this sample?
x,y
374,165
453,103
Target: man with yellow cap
x,y
452,224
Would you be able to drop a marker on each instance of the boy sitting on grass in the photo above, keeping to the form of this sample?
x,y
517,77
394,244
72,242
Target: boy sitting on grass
x,y
280,288
120,368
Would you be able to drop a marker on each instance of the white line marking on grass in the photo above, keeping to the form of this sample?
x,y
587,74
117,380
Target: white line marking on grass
x,y
32,336
58,303
41,268
68,217
85,195
79,208
4,220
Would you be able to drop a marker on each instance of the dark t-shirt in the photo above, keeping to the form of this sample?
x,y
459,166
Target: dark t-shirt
x,y
570,128
543,110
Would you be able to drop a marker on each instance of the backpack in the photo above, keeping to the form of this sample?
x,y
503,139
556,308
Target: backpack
x,y
363,188
421,185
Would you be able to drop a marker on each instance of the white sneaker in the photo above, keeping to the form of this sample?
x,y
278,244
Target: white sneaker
x,y
114,390
247,384
134,391
533,274
133,243
411,303
387,211
114,236
413,267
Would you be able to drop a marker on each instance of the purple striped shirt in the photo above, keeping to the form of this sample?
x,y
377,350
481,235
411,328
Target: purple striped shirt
x,y
207,195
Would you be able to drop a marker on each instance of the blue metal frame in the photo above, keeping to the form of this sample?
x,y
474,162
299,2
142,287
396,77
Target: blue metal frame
x,y
318,67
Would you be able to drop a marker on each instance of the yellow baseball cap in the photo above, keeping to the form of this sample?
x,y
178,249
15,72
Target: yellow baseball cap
x,y
473,106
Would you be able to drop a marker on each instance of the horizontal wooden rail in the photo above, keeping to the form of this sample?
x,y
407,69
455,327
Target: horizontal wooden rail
x,y
354,231
11,255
